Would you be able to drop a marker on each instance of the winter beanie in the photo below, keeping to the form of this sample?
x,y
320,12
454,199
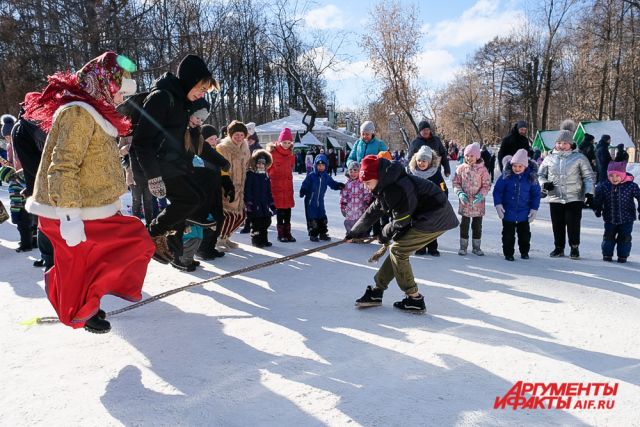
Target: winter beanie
x,y
521,124
200,109
385,155
565,136
617,168
588,138
521,157
368,127
424,153
237,126
606,139
369,168
569,125
285,135
353,165
191,70
251,128
208,131
423,125
7,124
473,150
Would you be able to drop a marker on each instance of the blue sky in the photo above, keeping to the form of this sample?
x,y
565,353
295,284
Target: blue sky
x,y
452,30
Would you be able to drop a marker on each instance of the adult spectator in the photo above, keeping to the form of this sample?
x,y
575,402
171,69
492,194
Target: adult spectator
x,y
603,157
428,138
587,147
621,154
367,144
516,140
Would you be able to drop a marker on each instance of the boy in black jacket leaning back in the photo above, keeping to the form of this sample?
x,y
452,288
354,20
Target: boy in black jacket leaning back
x,y
419,211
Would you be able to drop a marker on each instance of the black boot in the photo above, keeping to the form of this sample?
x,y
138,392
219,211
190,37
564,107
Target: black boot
x,y
411,304
96,325
287,231
575,253
372,297
282,237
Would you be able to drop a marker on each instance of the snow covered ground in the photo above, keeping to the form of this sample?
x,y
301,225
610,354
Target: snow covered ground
x,y
285,346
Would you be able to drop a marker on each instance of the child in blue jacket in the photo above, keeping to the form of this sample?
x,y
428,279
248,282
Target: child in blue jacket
x,y
516,197
614,202
313,189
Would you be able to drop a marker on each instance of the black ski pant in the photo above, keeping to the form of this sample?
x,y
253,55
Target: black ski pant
x,y
509,230
565,220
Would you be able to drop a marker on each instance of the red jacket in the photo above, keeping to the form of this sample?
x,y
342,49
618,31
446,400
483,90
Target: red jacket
x,y
281,174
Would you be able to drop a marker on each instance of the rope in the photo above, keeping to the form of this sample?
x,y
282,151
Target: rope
x,y
52,319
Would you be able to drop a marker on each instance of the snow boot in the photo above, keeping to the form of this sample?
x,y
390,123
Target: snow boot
x,y
325,237
162,253
176,263
557,253
433,252
463,246
575,253
287,232
476,247
96,325
282,236
38,263
411,305
607,258
622,260
422,251
372,297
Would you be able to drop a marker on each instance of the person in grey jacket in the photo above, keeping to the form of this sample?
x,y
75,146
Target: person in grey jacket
x,y
567,177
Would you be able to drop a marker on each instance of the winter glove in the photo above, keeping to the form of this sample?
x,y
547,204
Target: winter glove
x,y
548,186
598,213
71,226
532,215
341,186
479,197
226,167
157,188
387,234
227,186
273,209
588,202
463,197
500,211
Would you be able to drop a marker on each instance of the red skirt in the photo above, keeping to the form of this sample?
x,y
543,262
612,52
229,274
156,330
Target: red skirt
x,y
113,261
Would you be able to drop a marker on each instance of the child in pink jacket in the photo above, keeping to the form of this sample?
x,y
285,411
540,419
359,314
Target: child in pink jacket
x,y
354,197
471,184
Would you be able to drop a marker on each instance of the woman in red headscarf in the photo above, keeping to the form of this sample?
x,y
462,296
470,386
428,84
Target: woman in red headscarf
x,y
97,251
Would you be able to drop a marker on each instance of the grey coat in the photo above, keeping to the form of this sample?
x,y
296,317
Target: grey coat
x,y
571,175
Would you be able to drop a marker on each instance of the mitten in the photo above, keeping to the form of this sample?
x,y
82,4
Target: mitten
x,y
479,197
548,186
532,215
588,200
229,189
71,226
463,197
157,188
500,211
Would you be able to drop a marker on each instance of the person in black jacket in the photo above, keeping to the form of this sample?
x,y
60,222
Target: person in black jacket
x,y
158,144
419,211
258,199
516,140
603,157
621,154
428,138
588,148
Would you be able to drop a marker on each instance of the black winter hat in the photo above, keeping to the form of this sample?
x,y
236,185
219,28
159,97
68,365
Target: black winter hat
x,y
191,70
588,138
423,125
208,130
605,138
7,124
521,124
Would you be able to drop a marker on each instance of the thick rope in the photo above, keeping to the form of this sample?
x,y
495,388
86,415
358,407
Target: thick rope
x,y
51,319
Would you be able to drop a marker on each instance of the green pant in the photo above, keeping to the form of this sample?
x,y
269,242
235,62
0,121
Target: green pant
x,y
397,263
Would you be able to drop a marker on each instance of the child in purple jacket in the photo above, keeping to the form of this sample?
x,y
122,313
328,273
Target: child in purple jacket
x,y
614,202
354,197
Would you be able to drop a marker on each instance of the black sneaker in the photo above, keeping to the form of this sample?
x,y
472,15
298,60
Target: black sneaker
x,y
22,248
509,258
96,325
434,252
622,260
38,263
607,258
557,253
411,305
575,253
524,256
372,297
325,237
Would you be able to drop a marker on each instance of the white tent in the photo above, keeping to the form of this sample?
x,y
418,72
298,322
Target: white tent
x,y
613,128
310,139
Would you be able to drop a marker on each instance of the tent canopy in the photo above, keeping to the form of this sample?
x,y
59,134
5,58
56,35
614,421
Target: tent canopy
x,y
331,141
310,139
545,140
613,128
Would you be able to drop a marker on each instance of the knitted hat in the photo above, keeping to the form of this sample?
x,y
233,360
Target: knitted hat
x,y
385,155
617,168
251,128
565,136
285,135
7,124
191,70
237,126
521,157
424,153
208,131
588,138
473,150
369,168
353,165
605,138
368,127
423,125
521,124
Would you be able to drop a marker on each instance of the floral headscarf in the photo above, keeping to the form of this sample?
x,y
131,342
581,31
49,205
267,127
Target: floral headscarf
x,y
95,83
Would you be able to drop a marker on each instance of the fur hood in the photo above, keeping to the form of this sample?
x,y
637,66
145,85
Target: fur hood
x,y
260,153
434,164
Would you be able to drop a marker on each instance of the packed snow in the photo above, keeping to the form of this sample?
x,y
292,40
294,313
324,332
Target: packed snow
x,y
284,345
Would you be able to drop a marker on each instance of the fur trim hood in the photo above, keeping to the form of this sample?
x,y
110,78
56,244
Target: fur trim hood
x,y
257,154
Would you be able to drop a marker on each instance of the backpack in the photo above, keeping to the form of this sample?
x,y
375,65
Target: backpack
x,y
134,105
